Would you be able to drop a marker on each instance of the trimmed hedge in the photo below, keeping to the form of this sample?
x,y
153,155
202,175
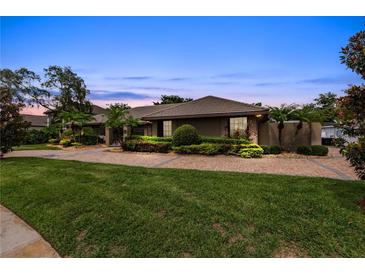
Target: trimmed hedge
x,y
66,142
243,150
152,138
316,150
144,146
271,149
224,140
204,149
186,135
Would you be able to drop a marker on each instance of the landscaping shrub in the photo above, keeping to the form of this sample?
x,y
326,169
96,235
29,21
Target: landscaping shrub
x,y
152,138
305,150
319,150
316,150
204,149
275,150
67,133
250,151
186,135
224,140
66,142
355,154
54,141
144,146
271,149
76,144
89,140
34,136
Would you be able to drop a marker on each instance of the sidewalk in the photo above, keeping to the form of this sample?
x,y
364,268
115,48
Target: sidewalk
x,y
19,240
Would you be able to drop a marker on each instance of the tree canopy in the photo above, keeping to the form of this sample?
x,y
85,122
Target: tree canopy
x,y
172,99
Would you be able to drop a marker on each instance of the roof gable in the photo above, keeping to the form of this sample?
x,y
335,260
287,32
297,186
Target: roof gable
x,y
208,106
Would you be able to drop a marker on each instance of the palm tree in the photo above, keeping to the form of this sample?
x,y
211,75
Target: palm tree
x,y
118,118
280,115
308,114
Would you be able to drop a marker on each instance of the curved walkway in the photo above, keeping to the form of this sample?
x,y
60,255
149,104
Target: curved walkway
x,y
331,166
19,240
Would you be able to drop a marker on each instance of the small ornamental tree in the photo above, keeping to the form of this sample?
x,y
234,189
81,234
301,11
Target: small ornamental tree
x,y
118,118
351,107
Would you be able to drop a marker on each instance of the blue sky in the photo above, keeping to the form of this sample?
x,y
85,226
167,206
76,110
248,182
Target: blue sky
x,y
271,60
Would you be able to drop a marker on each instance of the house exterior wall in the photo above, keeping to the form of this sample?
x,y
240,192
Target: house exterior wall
x,y
309,134
215,126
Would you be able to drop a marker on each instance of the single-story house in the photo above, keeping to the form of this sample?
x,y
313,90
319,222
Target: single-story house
x,y
210,115
36,121
330,132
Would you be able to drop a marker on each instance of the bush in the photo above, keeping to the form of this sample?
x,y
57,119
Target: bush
x,y
76,144
224,140
313,150
34,136
54,141
186,135
89,140
355,154
66,142
88,131
152,138
305,150
204,149
67,133
143,146
319,150
250,151
271,149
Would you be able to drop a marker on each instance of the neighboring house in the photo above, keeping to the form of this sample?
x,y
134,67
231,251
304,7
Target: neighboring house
x,y
210,115
36,121
330,132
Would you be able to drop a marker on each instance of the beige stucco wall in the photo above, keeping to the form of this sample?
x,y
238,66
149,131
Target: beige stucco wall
x,y
309,134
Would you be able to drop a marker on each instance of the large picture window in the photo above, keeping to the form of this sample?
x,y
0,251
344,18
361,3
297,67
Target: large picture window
x,y
167,128
237,126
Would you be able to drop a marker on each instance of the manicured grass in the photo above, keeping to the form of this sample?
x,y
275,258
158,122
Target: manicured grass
x,y
36,147
99,210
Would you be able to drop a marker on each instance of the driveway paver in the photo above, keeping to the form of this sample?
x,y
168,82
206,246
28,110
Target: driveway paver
x,y
331,166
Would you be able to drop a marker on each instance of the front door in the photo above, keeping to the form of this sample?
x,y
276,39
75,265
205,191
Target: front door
x,y
160,128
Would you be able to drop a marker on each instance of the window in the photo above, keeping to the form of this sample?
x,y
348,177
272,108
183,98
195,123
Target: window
x,y
237,126
167,128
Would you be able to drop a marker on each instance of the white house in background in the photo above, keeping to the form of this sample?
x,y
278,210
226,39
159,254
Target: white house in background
x,y
330,132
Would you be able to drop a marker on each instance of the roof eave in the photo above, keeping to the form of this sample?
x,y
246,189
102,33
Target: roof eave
x,y
207,115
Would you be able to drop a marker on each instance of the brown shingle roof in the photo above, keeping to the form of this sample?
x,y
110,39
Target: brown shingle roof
x,y
35,120
209,106
139,112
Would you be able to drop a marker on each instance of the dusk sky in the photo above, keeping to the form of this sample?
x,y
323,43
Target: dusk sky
x,y
134,60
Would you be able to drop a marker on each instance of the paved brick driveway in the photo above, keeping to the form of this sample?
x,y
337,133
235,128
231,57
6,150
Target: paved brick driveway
x,y
332,166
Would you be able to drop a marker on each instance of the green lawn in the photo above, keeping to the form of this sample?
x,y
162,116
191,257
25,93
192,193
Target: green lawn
x,y
99,210
36,147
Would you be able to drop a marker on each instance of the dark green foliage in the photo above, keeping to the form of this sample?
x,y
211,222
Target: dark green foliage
x,y
316,150
172,99
88,139
271,149
12,126
124,211
146,146
319,150
34,136
152,138
355,154
204,149
224,140
305,150
186,135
